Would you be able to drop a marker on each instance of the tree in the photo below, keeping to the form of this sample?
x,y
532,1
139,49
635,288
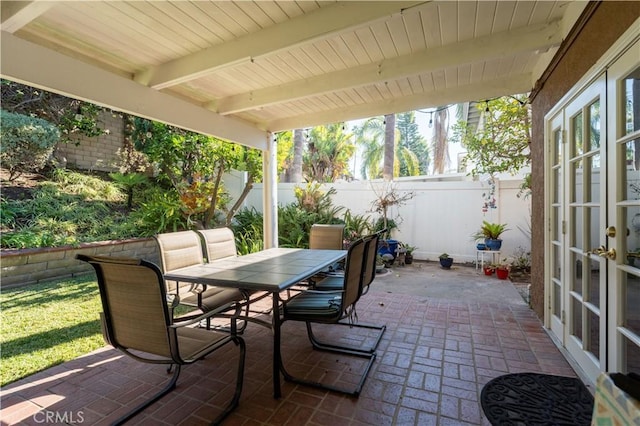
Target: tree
x,y
372,136
411,141
328,154
502,143
389,146
298,148
193,165
440,140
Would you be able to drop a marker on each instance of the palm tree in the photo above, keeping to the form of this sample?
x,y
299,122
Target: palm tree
x,y
298,146
389,146
371,136
328,154
441,140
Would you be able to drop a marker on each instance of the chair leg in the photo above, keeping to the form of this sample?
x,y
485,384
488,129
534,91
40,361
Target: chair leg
x,y
355,392
317,344
168,388
239,380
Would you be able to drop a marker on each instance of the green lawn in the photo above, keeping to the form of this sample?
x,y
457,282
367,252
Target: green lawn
x,y
46,324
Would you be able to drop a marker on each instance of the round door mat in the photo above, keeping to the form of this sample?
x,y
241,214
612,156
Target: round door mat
x,y
536,399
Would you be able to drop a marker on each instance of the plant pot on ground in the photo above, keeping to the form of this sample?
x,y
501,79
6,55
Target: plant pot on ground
x,y
408,256
445,261
488,270
502,272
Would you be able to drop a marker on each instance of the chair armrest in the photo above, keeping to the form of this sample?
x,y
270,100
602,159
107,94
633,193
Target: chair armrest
x,y
173,300
209,314
324,291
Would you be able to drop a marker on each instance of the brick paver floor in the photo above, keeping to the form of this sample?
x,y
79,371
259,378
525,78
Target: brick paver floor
x,y
432,363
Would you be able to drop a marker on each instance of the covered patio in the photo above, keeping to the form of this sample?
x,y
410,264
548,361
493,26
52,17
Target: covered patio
x,y
243,71
448,333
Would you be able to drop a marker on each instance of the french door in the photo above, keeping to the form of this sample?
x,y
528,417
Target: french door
x,y
593,277
623,85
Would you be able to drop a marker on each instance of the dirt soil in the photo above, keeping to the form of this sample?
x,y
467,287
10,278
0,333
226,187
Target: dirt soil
x,y
20,188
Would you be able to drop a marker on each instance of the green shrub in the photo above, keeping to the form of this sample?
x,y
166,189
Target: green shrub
x,y
72,209
159,212
356,226
27,142
247,228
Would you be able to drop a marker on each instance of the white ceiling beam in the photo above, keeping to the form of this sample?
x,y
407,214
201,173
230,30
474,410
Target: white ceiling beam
x,y
478,91
34,65
538,37
17,14
306,28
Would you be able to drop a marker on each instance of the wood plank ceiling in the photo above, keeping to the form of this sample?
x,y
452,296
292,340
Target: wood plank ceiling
x,y
235,69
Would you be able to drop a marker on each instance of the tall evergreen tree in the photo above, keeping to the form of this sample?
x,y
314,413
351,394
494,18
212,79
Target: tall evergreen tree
x,y
413,141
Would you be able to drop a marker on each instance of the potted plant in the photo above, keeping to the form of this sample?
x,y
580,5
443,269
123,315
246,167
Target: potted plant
x,y
388,196
387,259
445,261
489,269
502,270
491,233
408,257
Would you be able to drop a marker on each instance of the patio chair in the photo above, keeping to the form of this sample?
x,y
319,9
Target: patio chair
x,y
329,307
220,243
137,320
336,282
326,237
181,249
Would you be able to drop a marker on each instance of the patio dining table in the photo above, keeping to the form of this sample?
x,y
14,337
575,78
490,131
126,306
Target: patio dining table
x,y
272,270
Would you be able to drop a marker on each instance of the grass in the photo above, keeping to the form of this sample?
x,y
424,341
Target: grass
x,y
46,324
42,325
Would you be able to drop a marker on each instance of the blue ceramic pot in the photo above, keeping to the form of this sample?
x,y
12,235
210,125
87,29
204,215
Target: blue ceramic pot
x,y
493,244
446,262
388,247
481,246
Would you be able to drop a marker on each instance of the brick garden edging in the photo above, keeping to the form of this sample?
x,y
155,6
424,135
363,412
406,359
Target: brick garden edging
x,y
30,266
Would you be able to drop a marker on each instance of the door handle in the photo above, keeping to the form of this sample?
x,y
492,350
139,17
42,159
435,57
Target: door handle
x,y
603,252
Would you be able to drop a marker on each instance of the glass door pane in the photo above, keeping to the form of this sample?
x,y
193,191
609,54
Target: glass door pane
x,y
586,326
624,205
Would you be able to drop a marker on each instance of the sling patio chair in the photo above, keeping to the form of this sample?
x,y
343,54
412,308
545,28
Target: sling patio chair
x,y
326,237
137,320
181,249
337,282
219,244
329,307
